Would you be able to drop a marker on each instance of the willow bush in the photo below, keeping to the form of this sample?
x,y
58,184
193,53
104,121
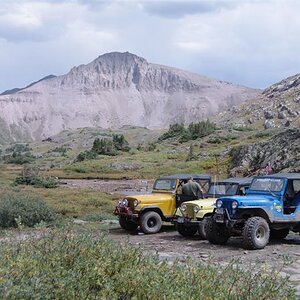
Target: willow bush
x,y
66,265
25,209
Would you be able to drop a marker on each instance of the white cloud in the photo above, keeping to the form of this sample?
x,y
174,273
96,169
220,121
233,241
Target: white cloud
x,y
254,43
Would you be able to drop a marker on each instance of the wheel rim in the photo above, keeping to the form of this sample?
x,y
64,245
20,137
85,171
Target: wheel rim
x,y
260,233
151,222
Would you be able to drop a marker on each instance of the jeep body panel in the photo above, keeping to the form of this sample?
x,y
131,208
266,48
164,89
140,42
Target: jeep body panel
x,y
206,208
166,202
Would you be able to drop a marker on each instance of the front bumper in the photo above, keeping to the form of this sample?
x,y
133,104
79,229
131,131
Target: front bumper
x,y
187,221
125,211
221,216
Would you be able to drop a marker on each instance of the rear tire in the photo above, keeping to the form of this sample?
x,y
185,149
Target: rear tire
x,y
256,233
214,234
127,224
186,230
150,222
279,234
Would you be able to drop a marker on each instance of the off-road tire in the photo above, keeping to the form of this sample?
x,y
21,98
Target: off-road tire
x,y
279,234
127,224
201,229
214,234
186,230
256,233
150,222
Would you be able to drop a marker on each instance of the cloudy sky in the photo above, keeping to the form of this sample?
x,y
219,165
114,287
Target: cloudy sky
x,y
249,42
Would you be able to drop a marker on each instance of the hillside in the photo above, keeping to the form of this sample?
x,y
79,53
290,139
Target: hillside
x,y
277,107
115,89
281,151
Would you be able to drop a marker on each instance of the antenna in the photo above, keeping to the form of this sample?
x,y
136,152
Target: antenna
x,y
217,166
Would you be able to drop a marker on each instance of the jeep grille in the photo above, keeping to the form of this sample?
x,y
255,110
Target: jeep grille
x,y
190,211
228,205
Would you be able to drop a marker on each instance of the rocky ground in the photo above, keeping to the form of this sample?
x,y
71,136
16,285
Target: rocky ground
x,y
168,244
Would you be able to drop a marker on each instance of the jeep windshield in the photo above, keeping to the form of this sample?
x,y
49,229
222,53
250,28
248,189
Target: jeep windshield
x,y
222,189
267,184
164,184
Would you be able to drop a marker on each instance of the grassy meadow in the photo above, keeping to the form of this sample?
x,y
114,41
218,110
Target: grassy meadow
x,y
71,262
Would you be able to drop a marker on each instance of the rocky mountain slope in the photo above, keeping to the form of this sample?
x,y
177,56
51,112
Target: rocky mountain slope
x,y
277,107
115,89
282,152
15,90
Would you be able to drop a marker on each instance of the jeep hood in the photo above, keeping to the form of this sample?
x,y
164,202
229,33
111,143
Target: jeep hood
x,y
251,200
151,198
208,202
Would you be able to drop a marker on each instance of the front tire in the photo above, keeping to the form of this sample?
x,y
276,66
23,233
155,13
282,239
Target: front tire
x,y
186,230
214,234
256,233
127,224
150,222
279,234
201,229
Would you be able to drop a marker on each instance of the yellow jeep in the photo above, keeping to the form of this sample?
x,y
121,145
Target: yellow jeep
x,y
149,211
190,216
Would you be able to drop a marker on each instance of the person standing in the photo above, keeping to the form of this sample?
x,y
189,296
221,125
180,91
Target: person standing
x,y
193,189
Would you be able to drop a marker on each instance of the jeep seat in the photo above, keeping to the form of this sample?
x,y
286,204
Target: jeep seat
x,y
182,198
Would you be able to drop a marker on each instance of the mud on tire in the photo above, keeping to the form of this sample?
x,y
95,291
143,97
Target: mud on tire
x,y
214,234
127,224
201,229
256,233
150,222
186,230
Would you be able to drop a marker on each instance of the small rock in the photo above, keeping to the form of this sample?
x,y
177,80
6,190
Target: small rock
x,y
141,233
296,253
269,124
268,114
281,115
287,123
246,252
79,222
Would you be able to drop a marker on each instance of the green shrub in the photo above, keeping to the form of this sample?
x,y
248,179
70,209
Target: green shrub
x,y
66,265
30,176
30,211
18,159
192,132
86,155
215,140
175,130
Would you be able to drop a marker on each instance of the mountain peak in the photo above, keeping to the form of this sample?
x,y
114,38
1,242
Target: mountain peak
x,y
119,56
118,89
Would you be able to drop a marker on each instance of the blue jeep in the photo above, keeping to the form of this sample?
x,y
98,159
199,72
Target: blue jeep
x,y
270,209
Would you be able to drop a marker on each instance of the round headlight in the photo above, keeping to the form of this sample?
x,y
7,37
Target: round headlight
x,y
135,203
219,203
183,207
196,208
234,204
125,202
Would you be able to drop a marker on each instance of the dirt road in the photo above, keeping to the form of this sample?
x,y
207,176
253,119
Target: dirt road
x,y
122,187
